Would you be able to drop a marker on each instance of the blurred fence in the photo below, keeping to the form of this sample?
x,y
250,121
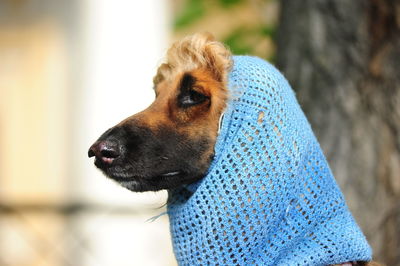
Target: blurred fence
x,y
52,234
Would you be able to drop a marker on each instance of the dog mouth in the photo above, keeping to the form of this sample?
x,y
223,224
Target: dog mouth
x,y
151,182
174,173
143,178
143,160
121,177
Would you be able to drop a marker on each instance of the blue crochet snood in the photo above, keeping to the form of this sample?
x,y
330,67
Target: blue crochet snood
x,y
269,197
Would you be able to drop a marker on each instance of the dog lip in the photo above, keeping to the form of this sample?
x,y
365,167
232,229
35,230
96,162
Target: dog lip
x,y
171,173
103,163
126,177
91,153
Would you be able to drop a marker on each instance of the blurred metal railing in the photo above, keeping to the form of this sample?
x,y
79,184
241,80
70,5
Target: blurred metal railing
x,y
17,217
65,209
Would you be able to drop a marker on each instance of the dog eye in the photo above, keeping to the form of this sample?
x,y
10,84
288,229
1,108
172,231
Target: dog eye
x,y
190,98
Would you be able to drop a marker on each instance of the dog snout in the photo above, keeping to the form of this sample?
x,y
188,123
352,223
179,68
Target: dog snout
x,y
106,151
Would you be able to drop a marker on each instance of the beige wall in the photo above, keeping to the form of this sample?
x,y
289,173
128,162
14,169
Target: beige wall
x,y
33,112
68,71
33,132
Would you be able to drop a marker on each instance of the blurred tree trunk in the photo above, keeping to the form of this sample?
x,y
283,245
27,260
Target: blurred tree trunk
x,y
343,59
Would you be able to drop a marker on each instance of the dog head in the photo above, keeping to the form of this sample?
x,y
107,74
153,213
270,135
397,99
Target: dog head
x,y
171,143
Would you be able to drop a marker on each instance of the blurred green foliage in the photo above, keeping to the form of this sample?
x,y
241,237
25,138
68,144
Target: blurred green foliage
x,y
241,40
228,3
192,11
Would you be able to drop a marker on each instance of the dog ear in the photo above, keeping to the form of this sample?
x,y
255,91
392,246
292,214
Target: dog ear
x,y
162,72
197,51
216,55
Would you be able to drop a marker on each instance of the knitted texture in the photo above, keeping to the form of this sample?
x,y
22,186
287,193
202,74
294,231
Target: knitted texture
x,y
269,197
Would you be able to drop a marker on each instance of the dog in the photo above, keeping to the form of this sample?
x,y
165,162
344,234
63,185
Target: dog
x,y
175,144
171,142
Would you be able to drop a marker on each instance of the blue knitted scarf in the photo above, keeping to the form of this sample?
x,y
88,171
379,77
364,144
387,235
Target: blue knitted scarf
x,y
269,197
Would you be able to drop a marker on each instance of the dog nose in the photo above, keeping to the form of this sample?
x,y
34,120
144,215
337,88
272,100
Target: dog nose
x,y
106,151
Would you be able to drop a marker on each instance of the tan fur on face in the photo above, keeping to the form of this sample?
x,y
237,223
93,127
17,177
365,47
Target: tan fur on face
x,y
209,62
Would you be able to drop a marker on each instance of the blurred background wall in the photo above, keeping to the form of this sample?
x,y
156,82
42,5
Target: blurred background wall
x,y
68,71
71,69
